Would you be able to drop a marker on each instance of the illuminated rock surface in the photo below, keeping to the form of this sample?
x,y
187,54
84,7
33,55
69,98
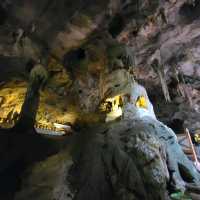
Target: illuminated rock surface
x,y
93,51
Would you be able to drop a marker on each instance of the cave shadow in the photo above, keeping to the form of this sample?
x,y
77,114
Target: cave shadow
x,y
190,12
23,150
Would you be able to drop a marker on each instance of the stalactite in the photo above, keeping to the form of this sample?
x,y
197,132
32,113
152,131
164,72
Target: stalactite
x,y
183,89
160,71
176,75
164,85
188,91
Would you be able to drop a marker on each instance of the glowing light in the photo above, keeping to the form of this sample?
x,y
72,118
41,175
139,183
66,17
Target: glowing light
x,y
114,115
141,102
116,110
62,126
197,138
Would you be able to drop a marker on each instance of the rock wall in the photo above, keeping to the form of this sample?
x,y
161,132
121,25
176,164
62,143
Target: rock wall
x,y
162,31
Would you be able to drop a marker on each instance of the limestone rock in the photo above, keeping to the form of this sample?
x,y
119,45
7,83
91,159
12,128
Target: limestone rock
x,y
47,180
1,100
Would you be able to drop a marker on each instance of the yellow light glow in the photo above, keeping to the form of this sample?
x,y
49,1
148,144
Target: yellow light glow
x,y
116,108
141,102
197,138
51,108
118,112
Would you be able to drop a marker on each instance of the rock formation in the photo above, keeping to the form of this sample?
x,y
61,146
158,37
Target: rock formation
x,y
102,58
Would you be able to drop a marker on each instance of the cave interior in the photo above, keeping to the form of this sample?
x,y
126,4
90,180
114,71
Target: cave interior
x,y
100,100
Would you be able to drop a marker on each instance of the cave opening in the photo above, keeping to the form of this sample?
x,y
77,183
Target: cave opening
x,y
112,107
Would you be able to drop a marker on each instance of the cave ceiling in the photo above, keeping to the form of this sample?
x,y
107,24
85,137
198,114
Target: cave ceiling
x,y
71,39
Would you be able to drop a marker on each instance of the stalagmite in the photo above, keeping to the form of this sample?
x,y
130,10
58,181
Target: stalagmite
x,y
132,158
37,80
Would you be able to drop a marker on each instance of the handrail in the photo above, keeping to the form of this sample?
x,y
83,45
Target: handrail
x,y
191,145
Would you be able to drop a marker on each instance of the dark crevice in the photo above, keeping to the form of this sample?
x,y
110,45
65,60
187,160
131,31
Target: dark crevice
x,y
11,180
3,15
190,12
72,58
185,174
116,25
176,125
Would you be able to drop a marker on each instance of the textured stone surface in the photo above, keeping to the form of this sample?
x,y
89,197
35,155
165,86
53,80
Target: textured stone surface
x,y
81,36
168,27
47,179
